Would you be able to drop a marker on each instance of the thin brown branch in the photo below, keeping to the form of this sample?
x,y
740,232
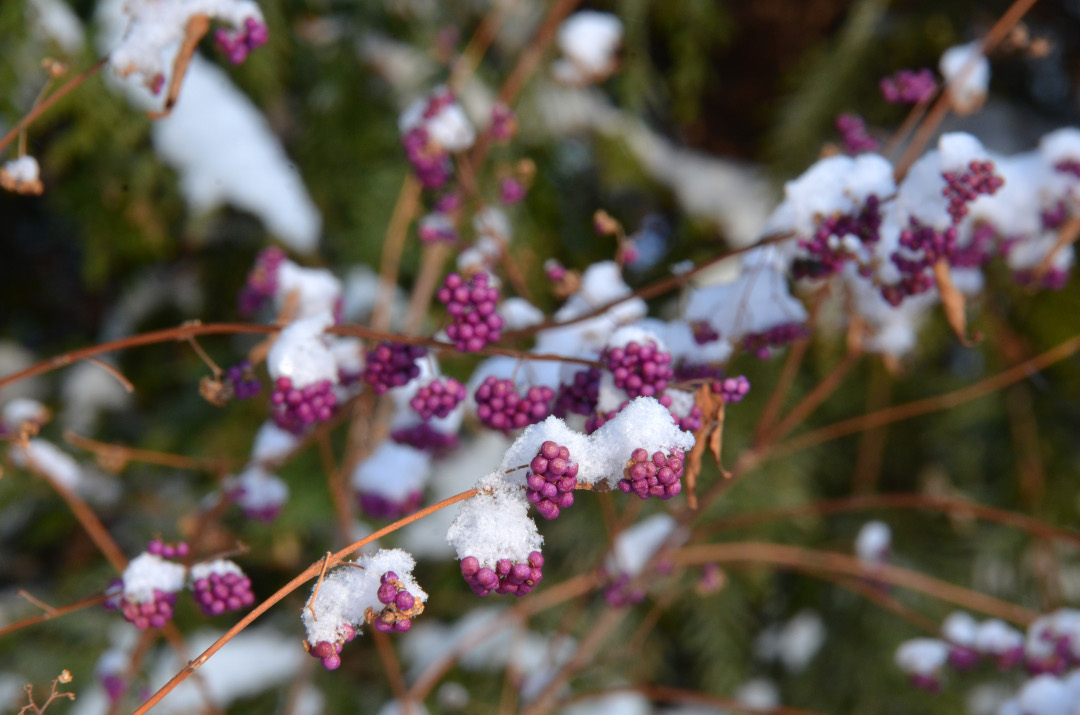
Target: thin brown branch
x,y
757,554
397,230
54,613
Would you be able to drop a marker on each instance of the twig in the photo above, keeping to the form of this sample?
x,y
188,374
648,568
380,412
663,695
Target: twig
x,y
54,613
318,585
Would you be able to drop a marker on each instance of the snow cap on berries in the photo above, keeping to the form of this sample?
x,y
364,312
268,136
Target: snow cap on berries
x,y
272,444
635,546
588,41
346,593
495,524
967,75
393,471
317,290
642,424
873,543
442,117
836,185
147,573
257,492
922,656
552,429
23,409
519,313
155,30
302,354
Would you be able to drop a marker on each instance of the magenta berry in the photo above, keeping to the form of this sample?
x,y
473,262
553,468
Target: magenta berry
x,y
620,593
472,309
961,188
554,270
499,406
297,408
330,653
836,238
551,480
261,281
503,122
506,577
703,332
178,550
438,398
239,43
392,365
400,606
437,227
639,369
657,475
511,191
377,506
220,586
759,344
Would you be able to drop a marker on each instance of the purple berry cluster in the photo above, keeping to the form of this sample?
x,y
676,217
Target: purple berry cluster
x,y
220,586
758,344
400,606
691,421
639,369
655,476
854,135
261,282
620,593
731,389
438,398
297,408
472,309
499,406
829,246
1068,166
963,187
377,506
908,86
430,161
426,438
154,613
179,550
703,332
330,653
237,44
551,480
507,577
241,378
580,395
391,365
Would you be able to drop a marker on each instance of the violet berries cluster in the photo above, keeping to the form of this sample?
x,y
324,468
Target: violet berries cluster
x,y
400,606
658,475
392,365
241,378
262,281
506,577
438,398
147,591
472,309
499,406
329,653
219,586
551,480
237,44
639,369
295,409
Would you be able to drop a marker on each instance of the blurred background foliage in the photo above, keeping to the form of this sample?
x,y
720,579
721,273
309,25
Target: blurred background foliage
x,y
758,81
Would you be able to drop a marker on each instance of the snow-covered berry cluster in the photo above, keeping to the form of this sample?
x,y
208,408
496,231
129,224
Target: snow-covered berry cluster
x,y
400,606
390,483
499,406
656,475
579,396
472,309
438,398
551,480
390,365
219,586
426,438
297,408
963,187
431,130
350,597
145,594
